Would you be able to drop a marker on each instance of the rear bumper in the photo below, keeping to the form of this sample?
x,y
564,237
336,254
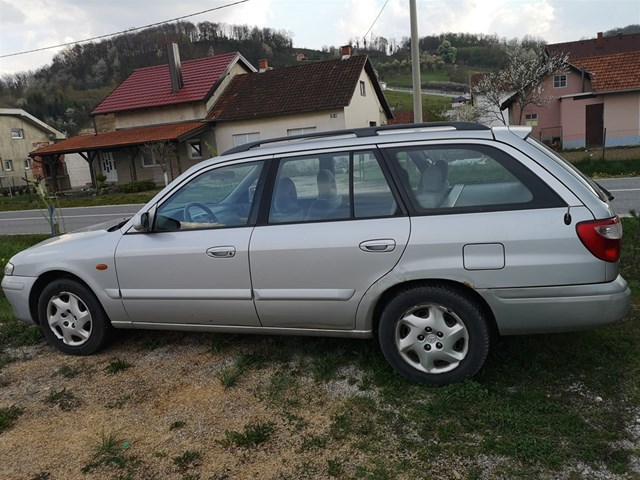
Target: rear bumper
x,y
17,290
557,309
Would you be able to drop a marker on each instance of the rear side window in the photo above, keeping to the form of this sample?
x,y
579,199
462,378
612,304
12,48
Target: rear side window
x,y
467,178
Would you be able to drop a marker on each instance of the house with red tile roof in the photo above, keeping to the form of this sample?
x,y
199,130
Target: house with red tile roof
x,y
595,102
164,105
209,105
313,97
20,133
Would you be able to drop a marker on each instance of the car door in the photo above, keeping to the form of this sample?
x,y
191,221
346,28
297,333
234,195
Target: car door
x,y
331,229
193,266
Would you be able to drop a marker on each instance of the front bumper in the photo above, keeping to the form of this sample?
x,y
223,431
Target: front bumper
x,y
17,290
557,309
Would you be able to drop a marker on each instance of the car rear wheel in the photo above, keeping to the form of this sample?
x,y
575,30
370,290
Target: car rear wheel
x,y
72,319
434,335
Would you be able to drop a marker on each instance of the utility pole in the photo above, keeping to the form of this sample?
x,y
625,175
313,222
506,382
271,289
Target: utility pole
x,y
415,64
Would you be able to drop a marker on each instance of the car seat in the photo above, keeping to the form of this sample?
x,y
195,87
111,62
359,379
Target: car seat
x,y
285,206
328,202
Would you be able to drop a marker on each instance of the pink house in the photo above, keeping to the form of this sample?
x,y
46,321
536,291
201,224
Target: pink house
x,y
596,101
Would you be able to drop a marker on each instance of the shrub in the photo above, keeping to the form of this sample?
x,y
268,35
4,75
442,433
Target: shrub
x,y
101,178
139,186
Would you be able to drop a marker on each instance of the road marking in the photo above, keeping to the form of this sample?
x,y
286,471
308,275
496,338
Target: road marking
x,y
69,216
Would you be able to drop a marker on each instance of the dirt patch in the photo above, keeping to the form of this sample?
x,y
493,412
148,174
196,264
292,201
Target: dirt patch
x,y
169,402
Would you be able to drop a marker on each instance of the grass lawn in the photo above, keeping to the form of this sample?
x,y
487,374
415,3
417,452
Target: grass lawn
x,y
34,202
185,405
609,168
402,101
405,80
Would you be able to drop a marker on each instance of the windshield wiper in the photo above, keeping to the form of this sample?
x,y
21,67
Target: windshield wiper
x,y
118,225
605,191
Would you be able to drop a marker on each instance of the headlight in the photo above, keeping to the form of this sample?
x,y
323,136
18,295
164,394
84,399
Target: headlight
x,y
8,269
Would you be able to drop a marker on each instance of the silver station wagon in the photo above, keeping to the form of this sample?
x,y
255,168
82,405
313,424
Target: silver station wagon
x,y
430,237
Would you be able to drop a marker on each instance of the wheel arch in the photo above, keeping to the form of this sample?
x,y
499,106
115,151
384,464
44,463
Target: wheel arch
x,y
43,280
464,289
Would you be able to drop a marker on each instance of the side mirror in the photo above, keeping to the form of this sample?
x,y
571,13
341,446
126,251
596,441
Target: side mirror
x,y
142,222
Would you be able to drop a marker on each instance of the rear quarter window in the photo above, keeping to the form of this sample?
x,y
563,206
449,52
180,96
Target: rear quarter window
x,y
467,178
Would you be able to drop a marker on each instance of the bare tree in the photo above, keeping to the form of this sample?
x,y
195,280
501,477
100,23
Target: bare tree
x,y
161,152
522,80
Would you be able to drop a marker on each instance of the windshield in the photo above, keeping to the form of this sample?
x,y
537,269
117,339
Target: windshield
x,y
570,167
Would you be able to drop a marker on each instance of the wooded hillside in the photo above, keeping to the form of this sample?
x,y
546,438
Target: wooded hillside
x,y
64,92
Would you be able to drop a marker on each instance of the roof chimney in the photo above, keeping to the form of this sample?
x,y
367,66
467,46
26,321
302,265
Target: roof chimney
x,y
599,41
263,65
345,50
175,69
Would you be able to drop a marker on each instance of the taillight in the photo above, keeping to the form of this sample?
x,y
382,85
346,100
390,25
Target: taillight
x,y
602,238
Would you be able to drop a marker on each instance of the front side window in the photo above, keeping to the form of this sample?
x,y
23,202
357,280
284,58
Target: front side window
x,y
242,138
559,81
468,178
222,197
17,133
331,186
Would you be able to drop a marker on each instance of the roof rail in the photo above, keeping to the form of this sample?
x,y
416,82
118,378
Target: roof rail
x,y
358,132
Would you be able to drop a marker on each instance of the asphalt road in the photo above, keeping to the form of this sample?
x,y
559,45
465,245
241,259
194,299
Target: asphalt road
x,y
625,190
34,221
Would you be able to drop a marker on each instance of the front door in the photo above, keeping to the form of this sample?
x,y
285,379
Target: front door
x,y
332,232
594,125
193,267
108,167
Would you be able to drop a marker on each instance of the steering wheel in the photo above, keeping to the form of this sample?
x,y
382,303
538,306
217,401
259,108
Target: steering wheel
x,y
187,212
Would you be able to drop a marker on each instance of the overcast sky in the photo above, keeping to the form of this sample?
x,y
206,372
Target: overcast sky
x,y
31,24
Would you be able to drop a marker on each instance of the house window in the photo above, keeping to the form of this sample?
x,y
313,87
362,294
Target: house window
x,y
531,119
373,124
195,148
8,165
300,131
17,133
148,160
559,81
363,90
27,163
243,138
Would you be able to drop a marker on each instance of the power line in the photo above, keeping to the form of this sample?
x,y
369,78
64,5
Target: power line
x,y
123,31
374,22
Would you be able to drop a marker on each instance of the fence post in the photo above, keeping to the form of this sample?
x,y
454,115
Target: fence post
x,y
51,209
604,141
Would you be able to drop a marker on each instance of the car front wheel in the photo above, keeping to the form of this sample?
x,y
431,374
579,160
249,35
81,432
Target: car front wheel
x,y
72,319
434,334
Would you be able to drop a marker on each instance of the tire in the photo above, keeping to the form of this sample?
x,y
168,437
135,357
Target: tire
x,y
72,318
434,335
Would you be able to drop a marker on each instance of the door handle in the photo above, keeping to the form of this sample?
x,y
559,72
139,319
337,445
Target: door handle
x,y
222,252
378,246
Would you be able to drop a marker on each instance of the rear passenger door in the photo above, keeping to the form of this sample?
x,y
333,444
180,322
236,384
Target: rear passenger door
x,y
332,228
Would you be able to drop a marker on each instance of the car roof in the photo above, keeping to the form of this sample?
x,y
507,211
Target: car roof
x,y
360,137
